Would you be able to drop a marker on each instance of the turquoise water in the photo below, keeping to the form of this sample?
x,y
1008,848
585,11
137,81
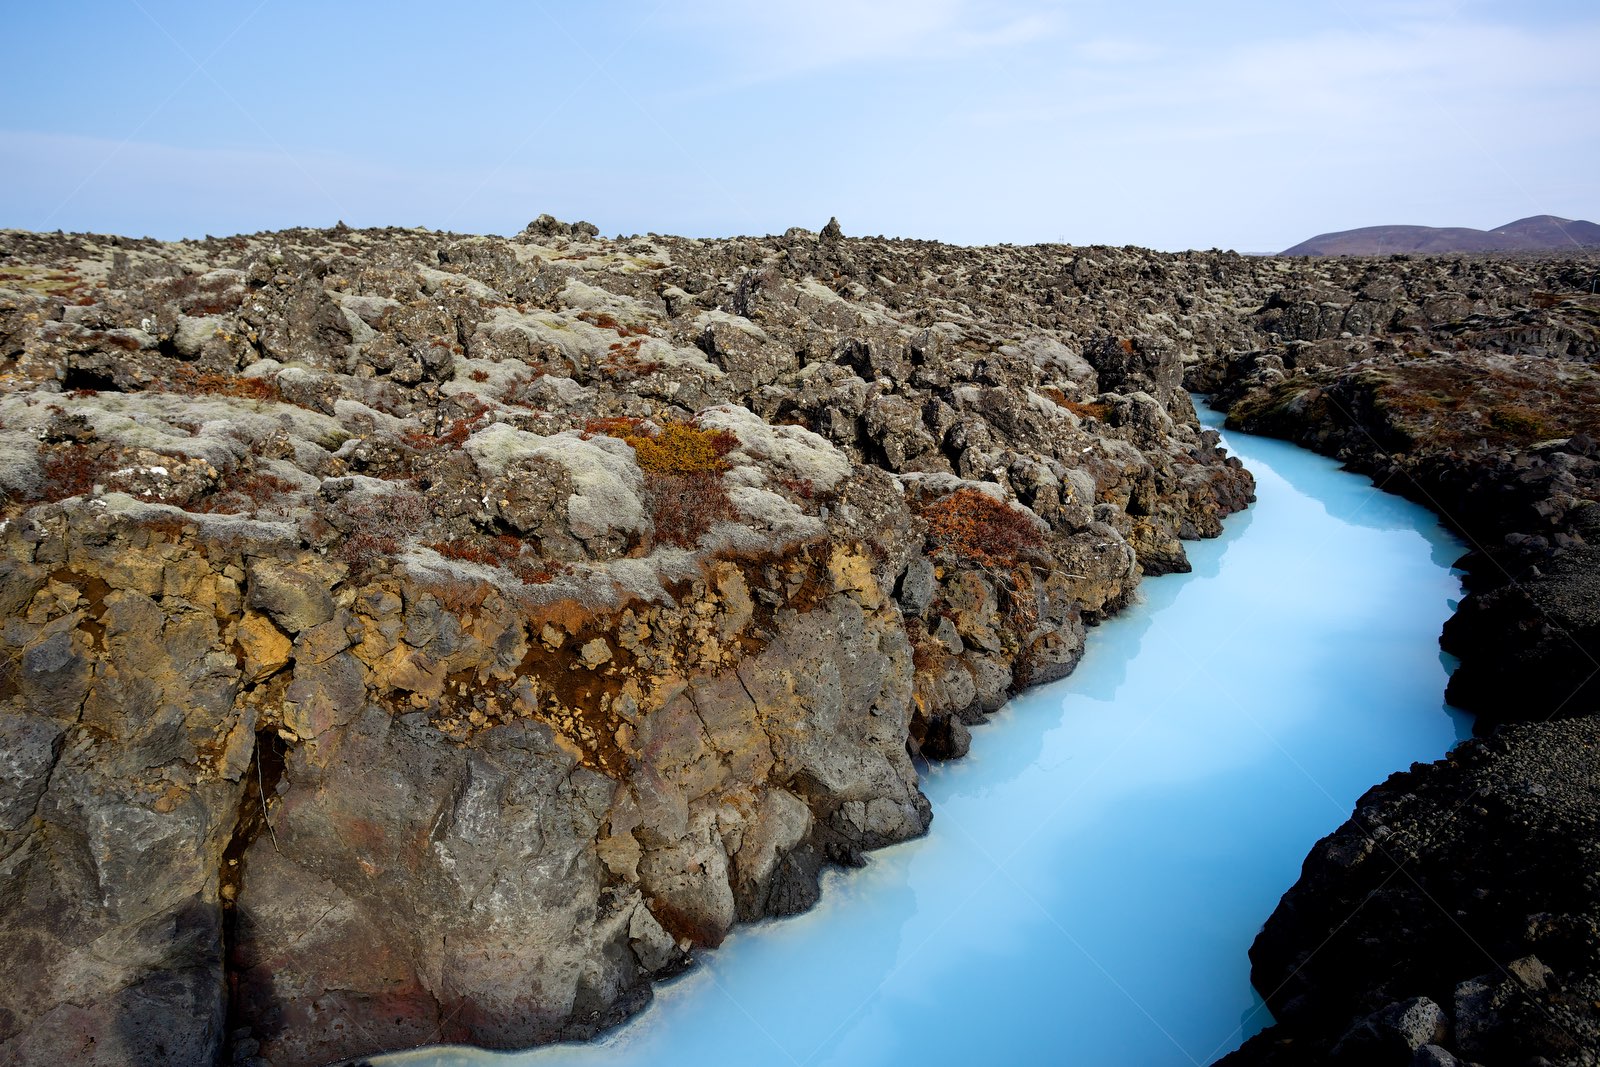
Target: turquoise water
x,y
1100,863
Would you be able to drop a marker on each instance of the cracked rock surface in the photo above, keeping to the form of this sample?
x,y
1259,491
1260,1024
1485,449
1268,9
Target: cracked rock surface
x,y
416,637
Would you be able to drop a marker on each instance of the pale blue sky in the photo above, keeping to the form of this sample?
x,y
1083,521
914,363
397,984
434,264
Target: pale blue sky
x,y
1247,125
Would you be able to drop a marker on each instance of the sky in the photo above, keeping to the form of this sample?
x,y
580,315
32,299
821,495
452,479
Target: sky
x,y
1170,124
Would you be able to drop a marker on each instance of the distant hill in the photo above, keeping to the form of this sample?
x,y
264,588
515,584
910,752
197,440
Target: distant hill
x,y
1538,233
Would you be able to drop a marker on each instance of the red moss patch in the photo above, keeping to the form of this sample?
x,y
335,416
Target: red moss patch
x,y
972,527
190,382
1093,410
685,506
73,470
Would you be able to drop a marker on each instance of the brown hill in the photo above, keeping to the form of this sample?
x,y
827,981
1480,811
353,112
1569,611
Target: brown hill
x,y
1537,233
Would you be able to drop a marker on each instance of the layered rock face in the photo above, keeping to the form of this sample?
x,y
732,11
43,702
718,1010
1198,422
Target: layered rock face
x,y
412,637
1454,917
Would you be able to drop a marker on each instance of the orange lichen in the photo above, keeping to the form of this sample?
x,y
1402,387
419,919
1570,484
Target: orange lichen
x,y
683,466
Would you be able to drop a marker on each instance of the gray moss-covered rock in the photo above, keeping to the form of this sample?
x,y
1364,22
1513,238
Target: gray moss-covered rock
x,y
607,590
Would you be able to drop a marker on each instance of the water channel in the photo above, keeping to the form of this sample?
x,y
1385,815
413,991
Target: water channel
x,y
1100,863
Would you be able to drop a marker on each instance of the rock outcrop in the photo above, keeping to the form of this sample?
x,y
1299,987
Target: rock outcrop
x,y
1504,449
413,637
1454,917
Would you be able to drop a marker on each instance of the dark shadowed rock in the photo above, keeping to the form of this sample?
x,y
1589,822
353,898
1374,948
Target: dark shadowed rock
x,y
1462,897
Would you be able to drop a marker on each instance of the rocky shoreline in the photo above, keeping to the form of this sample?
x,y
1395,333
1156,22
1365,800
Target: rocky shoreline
x,y
1456,916
419,637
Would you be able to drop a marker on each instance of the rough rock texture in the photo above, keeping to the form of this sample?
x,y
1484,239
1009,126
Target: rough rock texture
x,y
1504,449
412,637
1458,908
1454,918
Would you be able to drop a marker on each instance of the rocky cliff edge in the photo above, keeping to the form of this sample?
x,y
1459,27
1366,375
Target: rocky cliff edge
x,y
412,637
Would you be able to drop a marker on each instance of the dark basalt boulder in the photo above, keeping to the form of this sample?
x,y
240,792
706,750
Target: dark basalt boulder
x,y
1459,908
1530,647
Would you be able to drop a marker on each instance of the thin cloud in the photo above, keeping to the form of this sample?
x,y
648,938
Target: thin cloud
x,y
1117,51
789,38
1411,87
1253,143
1022,120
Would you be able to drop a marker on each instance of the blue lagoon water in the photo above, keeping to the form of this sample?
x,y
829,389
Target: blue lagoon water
x,y
1100,863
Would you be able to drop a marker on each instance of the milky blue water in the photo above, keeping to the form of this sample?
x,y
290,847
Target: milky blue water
x,y
1100,863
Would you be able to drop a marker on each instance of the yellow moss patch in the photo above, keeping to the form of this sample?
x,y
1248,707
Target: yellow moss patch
x,y
682,448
